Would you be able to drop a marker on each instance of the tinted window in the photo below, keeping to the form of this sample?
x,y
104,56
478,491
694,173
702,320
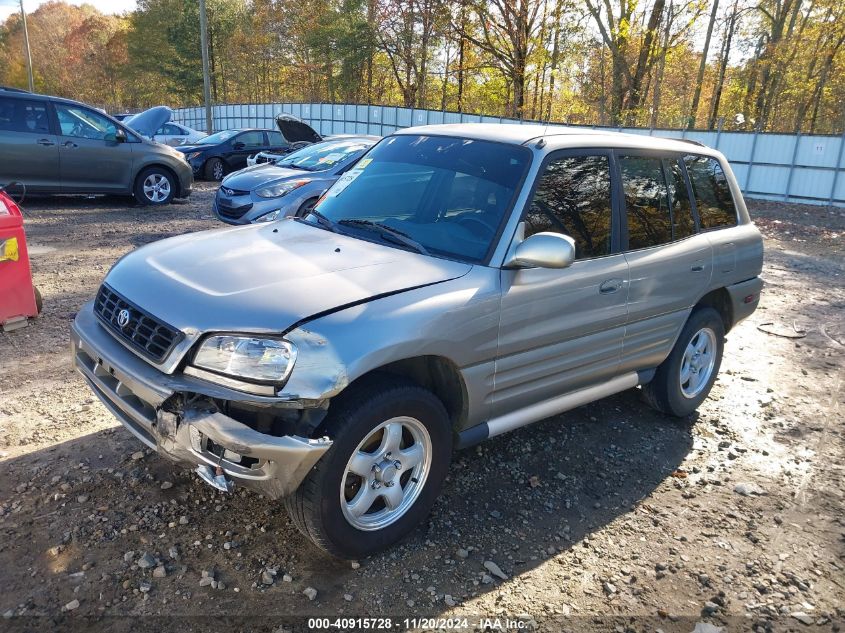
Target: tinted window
x,y
449,194
573,197
217,137
646,201
683,224
251,139
712,193
19,115
322,156
80,122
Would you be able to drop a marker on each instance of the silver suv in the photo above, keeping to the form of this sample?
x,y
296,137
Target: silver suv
x,y
460,282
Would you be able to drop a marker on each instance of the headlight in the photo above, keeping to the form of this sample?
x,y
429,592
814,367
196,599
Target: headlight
x,y
192,155
280,189
251,358
267,217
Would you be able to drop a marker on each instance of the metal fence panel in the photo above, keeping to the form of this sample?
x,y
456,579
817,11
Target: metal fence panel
x,y
797,168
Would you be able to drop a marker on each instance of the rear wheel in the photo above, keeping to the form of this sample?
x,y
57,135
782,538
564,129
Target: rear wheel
x,y
214,169
155,186
685,378
391,452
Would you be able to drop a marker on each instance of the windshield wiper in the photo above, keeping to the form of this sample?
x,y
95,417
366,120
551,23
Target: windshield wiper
x,y
326,223
388,232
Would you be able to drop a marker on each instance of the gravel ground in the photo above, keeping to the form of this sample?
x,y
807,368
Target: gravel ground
x,y
610,517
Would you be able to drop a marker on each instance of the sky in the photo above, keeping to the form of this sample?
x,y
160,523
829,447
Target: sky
x,y
7,7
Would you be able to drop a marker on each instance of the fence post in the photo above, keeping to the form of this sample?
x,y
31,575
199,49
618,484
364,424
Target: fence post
x,y
751,160
719,128
837,168
792,167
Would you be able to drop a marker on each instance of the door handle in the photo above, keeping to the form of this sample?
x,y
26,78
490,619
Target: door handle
x,y
697,268
45,142
70,144
610,286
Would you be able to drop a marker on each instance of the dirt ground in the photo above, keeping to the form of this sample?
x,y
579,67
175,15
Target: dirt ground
x,y
610,517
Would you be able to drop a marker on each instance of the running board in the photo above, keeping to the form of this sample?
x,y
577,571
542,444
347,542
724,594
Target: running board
x,y
548,408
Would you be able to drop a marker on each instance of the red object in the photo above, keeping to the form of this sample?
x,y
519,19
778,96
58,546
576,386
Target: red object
x,y
17,294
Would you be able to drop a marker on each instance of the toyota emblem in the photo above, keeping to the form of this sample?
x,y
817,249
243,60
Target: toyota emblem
x,y
123,318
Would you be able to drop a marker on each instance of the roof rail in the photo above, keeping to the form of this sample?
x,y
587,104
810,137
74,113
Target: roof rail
x,y
11,89
688,140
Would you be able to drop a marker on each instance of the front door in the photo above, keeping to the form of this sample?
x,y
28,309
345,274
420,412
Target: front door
x,y
29,151
91,159
562,329
670,262
244,145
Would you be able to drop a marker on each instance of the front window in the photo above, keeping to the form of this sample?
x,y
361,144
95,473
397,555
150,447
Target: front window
x,y
322,156
449,195
217,137
79,122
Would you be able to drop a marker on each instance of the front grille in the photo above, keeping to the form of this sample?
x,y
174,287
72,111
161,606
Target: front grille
x,y
227,208
142,331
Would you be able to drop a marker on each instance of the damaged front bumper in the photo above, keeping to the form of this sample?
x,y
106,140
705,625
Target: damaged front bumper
x,y
189,428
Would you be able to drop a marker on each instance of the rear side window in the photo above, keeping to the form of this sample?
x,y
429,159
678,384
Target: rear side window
x,y
711,191
573,197
647,203
276,139
251,139
20,115
683,224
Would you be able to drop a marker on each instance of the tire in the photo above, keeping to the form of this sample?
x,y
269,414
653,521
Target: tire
x,y
214,169
155,186
319,507
669,391
305,208
39,302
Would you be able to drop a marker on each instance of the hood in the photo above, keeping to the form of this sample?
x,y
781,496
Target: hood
x,y
266,277
296,130
149,121
192,148
256,176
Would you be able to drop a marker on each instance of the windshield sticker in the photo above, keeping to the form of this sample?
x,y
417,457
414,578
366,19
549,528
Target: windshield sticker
x,y
346,179
331,158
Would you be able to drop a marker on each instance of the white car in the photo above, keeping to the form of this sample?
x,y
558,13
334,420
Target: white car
x,y
177,134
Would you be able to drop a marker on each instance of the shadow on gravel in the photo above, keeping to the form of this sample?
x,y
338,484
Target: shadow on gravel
x,y
517,500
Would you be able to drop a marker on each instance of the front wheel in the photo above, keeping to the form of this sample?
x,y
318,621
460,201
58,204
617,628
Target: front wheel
x,y
391,452
685,378
214,169
155,186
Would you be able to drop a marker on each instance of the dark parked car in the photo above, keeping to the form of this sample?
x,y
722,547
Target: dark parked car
x,y
289,186
54,145
223,152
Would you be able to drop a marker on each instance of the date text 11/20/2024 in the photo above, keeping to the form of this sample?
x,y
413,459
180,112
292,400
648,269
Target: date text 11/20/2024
x,y
459,623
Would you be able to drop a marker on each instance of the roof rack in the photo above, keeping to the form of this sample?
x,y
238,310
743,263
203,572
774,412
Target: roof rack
x,y
11,89
688,140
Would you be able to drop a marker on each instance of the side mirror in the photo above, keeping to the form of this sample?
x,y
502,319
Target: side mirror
x,y
120,136
238,145
543,250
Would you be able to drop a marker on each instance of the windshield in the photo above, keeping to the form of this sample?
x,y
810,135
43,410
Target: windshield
x,y
322,156
449,195
217,137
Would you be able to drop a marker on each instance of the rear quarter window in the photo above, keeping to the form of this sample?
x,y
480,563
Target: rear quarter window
x,y
716,208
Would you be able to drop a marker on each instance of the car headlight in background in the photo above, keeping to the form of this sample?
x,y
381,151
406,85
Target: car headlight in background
x,y
268,217
264,360
192,155
280,189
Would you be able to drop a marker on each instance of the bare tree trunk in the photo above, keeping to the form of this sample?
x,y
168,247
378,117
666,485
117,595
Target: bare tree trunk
x,y
723,65
658,83
644,60
696,96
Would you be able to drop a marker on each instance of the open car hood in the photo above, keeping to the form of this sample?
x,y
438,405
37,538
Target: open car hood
x,y
148,122
296,130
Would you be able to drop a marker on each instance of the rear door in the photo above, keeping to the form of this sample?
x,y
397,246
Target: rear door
x,y
91,159
670,261
243,145
29,150
562,329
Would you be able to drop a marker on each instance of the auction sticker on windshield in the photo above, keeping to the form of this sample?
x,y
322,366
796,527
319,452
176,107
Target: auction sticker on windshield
x,y
346,179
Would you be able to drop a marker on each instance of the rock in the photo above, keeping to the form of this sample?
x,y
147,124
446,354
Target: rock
x,y
137,455
706,627
128,556
287,578
70,606
145,586
82,498
146,561
267,578
310,593
449,600
221,584
166,485
747,489
183,520
173,552
205,581
486,579
462,553
355,564
347,597
609,588
803,618
496,514
159,572
494,569
710,608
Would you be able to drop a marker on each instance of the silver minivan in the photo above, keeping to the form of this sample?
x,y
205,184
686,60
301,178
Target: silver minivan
x,y
459,282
